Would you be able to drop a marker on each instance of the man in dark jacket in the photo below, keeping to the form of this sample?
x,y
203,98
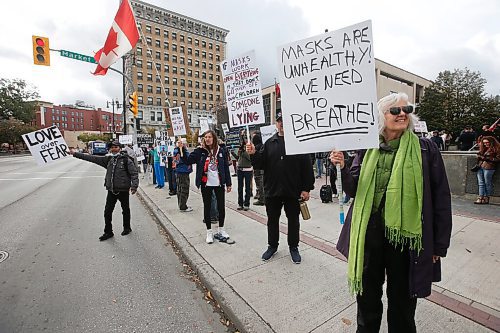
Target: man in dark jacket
x,y
287,178
121,177
182,171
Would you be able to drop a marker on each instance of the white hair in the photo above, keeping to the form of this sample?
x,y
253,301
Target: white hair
x,y
385,103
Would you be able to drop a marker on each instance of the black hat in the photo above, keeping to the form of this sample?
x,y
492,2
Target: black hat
x,y
115,143
278,115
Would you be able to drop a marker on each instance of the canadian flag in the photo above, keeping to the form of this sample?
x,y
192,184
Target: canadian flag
x,y
122,38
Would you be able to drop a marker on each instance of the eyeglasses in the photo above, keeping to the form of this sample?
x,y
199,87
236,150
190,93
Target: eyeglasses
x,y
395,110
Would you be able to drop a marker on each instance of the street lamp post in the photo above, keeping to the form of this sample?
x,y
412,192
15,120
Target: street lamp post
x,y
118,106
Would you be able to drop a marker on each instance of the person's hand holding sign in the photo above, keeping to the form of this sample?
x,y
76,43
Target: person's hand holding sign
x,y
337,157
250,148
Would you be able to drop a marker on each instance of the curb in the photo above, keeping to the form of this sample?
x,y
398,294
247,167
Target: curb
x,y
241,313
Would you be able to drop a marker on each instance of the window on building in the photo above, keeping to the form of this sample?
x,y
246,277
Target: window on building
x,y
167,92
166,68
182,71
148,41
167,80
203,43
165,45
181,49
190,51
197,84
211,77
138,63
181,60
210,46
190,105
165,33
190,40
204,64
203,54
211,66
158,55
210,56
157,31
183,82
217,47
158,66
197,95
196,63
204,85
204,96
210,86
217,87
196,42
158,101
174,35
174,47
165,56
158,79
197,74
204,106
217,57
139,51
150,89
174,92
158,89
197,53
190,94
174,70
197,105
149,65
153,116
148,28
150,77
183,93
174,81
174,58
158,43
217,78
139,99
211,97
150,100
159,116
190,62
203,75
190,72
139,75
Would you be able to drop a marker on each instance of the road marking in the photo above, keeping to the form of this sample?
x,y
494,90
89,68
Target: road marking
x,y
41,178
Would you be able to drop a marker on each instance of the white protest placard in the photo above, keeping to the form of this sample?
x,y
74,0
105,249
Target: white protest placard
x,y
328,91
243,92
225,129
46,145
267,132
126,139
203,124
421,127
177,119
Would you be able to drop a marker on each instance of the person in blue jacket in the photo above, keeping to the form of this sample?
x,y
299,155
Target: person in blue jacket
x,y
182,171
212,176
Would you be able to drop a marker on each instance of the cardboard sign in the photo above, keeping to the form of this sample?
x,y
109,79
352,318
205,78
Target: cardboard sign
x,y
267,132
243,90
177,119
328,91
46,145
203,124
233,138
126,139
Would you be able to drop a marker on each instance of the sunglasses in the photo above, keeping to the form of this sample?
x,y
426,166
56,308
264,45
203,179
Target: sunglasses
x,y
395,110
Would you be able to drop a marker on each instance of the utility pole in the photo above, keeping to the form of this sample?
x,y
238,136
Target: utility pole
x,y
118,106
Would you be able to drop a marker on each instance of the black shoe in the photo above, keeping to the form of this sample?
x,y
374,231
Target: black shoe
x,y
106,236
258,203
270,252
239,208
245,208
126,232
294,253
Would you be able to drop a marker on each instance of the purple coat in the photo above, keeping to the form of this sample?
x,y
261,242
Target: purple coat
x,y
436,218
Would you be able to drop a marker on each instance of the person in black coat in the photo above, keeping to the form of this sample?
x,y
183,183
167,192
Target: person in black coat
x,y
287,178
121,177
212,176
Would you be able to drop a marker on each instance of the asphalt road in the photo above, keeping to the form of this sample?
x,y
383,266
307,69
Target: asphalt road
x,y
58,277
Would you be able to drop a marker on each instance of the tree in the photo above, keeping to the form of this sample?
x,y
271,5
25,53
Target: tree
x,y
86,137
12,129
17,100
456,99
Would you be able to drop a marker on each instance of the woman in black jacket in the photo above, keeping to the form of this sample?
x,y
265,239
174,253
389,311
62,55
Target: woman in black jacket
x,y
212,175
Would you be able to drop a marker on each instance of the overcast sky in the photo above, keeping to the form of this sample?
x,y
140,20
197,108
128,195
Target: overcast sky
x,y
423,37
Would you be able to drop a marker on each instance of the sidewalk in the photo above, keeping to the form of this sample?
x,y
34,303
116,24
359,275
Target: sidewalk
x,y
279,296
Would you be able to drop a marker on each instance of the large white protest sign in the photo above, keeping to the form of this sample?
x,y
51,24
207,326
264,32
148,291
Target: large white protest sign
x,y
177,119
328,91
203,124
46,145
126,139
243,92
267,132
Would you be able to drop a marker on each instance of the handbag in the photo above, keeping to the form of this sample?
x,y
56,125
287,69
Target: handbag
x,y
475,168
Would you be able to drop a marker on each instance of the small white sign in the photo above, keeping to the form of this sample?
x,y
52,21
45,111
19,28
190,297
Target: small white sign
x,y
267,132
328,91
177,120
225,129
421,127
203,124
243,91
126,139
46,145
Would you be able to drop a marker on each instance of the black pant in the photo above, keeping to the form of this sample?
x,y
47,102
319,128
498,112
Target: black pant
x,y
206,194
182,190
292,211
244,177
382,258
111,199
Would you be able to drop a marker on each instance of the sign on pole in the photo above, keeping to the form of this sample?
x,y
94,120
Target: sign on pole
x,y
203,124
328,91
243,92
421,127
46,145
267,132
177,120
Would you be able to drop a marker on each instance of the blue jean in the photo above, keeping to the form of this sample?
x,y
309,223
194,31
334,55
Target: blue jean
x,y
319,166
159,173
485,181
247,177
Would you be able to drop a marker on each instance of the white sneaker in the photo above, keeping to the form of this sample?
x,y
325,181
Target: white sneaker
x,y
210,236
223,232
335,195
189,209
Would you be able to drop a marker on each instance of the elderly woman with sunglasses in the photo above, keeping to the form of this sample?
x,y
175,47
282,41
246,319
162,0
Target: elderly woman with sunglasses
x,y
400,222
487,160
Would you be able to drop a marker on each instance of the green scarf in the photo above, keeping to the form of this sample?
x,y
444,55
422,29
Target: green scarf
x,y
402,210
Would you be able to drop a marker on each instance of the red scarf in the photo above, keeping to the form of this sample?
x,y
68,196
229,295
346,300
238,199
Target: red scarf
x,y
210,157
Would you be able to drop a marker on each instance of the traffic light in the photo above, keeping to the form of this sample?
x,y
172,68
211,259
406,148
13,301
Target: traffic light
x,y
41,51
134,105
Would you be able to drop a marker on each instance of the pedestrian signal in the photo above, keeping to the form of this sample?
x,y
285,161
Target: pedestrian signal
x,y
41,51
134,105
